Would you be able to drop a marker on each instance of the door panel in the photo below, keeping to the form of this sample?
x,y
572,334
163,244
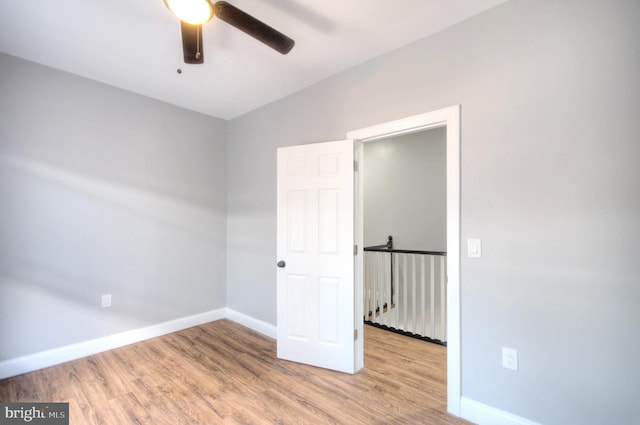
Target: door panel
x,y
296,296
316,319
329,300
329,203
296,220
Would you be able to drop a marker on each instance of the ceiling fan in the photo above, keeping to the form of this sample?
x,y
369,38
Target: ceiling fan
x,y
194,13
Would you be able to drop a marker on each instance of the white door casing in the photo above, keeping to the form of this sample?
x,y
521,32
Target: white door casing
x,y
315,247
450,118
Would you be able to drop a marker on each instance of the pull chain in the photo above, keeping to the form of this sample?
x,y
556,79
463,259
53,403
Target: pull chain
x,y
179,70
198,43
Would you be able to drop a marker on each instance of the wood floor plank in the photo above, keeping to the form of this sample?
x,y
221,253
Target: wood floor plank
x,y
224,373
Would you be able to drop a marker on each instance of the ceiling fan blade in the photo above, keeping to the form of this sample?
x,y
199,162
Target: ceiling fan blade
x,y
192,43
253,27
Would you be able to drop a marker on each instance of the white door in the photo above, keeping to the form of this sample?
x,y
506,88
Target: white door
x,y
315,208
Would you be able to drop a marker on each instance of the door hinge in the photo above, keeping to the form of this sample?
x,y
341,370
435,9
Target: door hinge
x,y
355,250
355,165
355,334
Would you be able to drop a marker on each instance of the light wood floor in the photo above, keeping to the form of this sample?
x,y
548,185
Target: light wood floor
x,y
224,373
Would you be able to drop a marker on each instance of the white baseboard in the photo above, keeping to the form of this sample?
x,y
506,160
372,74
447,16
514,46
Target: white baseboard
x,y
264,328
31,362
483,414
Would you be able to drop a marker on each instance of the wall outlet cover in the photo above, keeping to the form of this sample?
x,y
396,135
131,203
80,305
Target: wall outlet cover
x,y
509,358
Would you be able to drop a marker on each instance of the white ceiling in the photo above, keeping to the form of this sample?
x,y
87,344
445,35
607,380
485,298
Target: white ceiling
x,y
135,44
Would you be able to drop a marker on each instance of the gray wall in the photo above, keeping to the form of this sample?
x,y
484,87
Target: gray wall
x,y
405,191
550,100
103,191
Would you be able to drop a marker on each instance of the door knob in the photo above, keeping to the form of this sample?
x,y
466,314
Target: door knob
x,y
281,264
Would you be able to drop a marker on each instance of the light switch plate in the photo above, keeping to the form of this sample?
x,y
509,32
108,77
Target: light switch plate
x,y
474,248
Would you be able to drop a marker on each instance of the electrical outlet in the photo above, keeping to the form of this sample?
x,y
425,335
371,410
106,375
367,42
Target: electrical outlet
x,y
509,358
106,300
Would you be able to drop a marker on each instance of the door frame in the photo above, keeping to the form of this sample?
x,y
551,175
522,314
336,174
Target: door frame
x,y
450,118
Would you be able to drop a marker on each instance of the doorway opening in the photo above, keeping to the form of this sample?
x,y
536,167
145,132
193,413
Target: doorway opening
x,y
449,118
405,206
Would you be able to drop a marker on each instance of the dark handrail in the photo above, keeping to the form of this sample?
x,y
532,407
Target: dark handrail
x,y
388,247
385,247
402,251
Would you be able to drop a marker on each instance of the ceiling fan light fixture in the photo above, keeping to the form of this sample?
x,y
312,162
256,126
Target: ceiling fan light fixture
x,y
195,12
